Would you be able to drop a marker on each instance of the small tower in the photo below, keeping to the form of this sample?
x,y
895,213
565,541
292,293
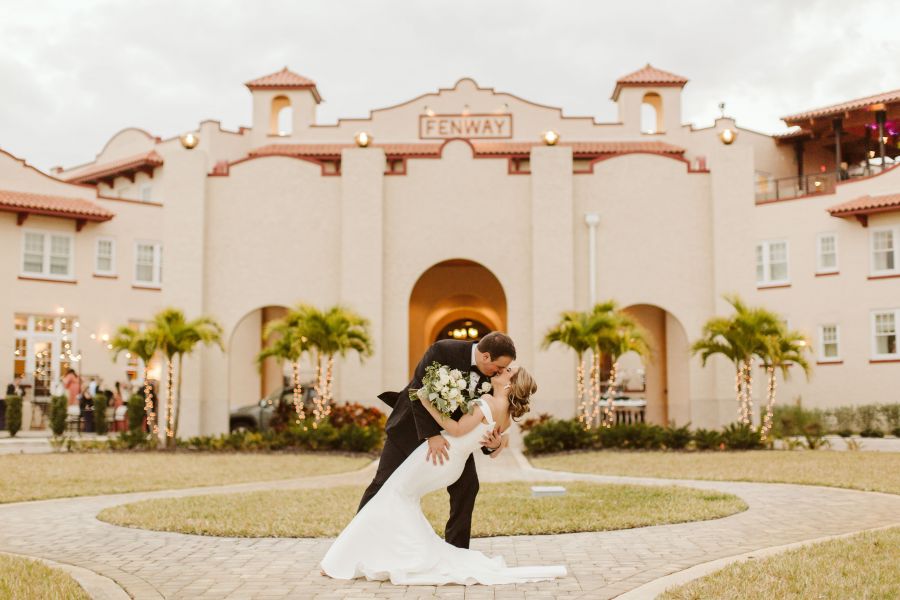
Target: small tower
x,y
660,90
284,106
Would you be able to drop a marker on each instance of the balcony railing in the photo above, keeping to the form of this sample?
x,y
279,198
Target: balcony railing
x,y
820,183
792,187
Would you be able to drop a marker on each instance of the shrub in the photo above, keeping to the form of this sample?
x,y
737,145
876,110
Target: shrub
x,y
360,439
135,413
793,419
557,435
869,417
676,438
814,433
891,416
528,424
13,414
845,418
100,425
356,414
896,432
845,433
738,436
58,414
642,436
871,433
707,439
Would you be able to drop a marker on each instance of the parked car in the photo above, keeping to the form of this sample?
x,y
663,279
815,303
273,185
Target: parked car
x,y
278,404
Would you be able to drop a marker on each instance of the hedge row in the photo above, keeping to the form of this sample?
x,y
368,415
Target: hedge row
x,y
554,435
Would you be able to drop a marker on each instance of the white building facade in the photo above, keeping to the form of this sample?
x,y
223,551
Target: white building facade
x,y
460,213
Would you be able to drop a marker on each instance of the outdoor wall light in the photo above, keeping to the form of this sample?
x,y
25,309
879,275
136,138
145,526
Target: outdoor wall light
x,y
551,137
363,139
189,141
727,136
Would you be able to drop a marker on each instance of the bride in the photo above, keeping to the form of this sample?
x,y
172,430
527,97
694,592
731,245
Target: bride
x,y
390,538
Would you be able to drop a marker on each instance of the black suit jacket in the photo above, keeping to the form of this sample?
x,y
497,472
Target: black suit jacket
x,y
410,423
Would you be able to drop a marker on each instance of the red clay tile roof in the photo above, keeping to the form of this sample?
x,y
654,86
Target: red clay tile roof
x,y
125,167
866,205
285,80
483,148
835,109
649,75
61,206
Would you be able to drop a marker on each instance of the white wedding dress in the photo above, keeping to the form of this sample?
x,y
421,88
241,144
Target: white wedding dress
x,y
390,538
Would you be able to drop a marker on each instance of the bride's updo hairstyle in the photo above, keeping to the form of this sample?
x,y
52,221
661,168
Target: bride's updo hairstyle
x,y
521,387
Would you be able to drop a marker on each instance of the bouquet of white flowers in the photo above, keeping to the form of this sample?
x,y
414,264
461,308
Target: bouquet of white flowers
x,y
445,388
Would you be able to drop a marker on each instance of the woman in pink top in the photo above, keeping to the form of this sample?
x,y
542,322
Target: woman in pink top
x,y
73,387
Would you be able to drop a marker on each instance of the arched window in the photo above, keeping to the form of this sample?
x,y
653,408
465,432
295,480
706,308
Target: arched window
x,y
281,117
651,113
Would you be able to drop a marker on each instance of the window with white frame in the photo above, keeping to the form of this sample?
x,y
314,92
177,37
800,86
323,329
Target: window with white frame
x,y
105,261
829,343
826,253
772,262
47,254
884,332
885,252
148,263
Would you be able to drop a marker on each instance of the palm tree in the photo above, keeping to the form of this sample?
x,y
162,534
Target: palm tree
x,y
130,340
739,338
783,350
290,344
574,330
176,337
332,332
623,335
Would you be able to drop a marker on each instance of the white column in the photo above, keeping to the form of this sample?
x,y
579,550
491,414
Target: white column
x,y
362,273
552,273
592,220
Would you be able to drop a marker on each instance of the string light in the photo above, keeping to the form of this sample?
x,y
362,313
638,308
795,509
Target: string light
x,y
298,394
610,391
770,396
583,410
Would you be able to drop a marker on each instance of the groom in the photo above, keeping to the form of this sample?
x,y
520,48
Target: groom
x,y
410,424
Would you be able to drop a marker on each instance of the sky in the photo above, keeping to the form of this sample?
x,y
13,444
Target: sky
x,y
73,73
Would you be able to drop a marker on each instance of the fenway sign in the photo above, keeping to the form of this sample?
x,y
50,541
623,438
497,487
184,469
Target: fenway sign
x,y
441,127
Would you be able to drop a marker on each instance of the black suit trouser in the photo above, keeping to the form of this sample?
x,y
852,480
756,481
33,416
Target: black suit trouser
x,y
462,493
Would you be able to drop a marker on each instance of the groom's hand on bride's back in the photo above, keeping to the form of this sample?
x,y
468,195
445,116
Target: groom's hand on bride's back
x,y
437,449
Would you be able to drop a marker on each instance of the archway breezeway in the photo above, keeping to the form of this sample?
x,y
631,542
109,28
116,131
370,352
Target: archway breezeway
x,y
449,295
663,379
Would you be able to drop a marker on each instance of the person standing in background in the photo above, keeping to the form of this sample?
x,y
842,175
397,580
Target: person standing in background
x,y
72,384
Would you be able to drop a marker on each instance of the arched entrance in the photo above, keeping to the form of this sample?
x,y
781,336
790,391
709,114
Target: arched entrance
x,y
247,381
458,298
663,379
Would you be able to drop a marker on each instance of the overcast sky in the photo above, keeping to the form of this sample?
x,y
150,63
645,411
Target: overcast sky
x,y
74,72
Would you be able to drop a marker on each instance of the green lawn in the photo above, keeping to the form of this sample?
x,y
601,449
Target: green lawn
x,y
501,509
860,566
24,578
869,471
42,476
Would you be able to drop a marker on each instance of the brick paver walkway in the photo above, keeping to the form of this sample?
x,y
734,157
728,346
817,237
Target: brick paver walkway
x,y
153,565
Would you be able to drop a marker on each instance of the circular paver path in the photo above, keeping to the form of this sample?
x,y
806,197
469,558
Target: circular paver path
x,y
152,565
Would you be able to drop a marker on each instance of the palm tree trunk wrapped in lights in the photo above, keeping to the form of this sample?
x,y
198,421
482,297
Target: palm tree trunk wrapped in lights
x,y
573,330
285,341
144,346
783,349
175,337
740,338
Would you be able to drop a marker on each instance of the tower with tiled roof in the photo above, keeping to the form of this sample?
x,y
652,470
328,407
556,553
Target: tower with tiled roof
x,y
284,106
657,88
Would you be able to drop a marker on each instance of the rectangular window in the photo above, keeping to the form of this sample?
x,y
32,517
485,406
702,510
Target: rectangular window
x,y
829,343
884,251
145,193
147,263
106,257
33,255
47,254
826,253
884,329
772,262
